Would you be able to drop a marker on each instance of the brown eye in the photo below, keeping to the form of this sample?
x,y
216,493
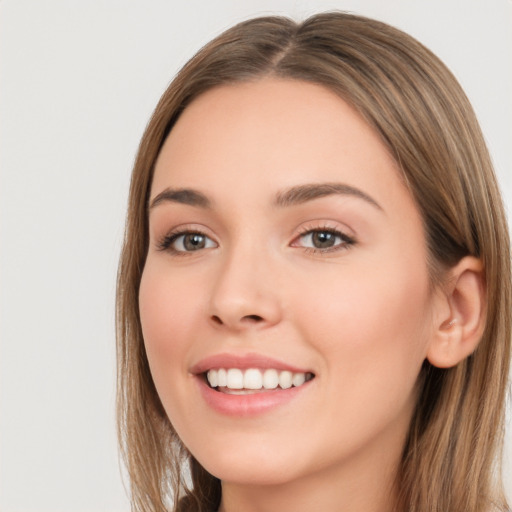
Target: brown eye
x,y
189,242
324,240
194,241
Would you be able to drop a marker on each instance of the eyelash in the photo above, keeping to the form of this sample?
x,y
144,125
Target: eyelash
x,y
345,244
166,243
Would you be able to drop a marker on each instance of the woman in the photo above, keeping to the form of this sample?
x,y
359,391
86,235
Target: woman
x,y
314,291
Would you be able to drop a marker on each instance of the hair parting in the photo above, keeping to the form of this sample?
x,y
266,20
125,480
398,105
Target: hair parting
x,y
450,461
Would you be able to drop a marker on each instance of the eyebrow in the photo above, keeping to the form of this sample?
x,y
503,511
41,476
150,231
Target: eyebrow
x,y
183,196
292,196
303,193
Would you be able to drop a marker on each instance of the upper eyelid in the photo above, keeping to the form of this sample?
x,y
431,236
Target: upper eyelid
x,y
326,225
304,229
185,228
163,242
337,232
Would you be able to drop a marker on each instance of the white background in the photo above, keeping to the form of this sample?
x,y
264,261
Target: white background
x,y
78,81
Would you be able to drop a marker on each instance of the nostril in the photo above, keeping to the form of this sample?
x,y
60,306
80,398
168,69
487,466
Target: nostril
x,y
247,319
253,318
217,320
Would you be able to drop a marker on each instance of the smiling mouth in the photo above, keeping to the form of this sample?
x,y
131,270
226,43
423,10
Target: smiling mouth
x,y
253,380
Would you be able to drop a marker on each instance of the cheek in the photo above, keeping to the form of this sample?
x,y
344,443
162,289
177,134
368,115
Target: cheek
x,y
373,327
167,312
372,332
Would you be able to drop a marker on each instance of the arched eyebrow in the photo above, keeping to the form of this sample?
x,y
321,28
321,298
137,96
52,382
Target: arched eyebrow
x,y
303,193
183,196
292,196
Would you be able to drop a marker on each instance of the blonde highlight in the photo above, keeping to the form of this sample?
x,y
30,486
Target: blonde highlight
x,y
424,118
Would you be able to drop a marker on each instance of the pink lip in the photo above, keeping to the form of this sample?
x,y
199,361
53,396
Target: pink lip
x,y
243,362
248,405
251,404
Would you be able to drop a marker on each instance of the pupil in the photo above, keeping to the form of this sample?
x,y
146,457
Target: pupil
x,y
322,239
194,242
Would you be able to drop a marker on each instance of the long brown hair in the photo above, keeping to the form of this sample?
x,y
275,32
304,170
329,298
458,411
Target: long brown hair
x,y
450,461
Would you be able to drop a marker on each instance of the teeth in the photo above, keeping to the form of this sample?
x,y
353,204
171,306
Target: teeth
x,y
222,378
254,379
270,379
235,379
213,378
298,379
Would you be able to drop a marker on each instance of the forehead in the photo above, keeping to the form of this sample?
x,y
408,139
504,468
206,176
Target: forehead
x,y
275,132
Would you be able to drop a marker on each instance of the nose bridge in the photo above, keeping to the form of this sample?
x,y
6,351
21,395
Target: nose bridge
x,y
244,291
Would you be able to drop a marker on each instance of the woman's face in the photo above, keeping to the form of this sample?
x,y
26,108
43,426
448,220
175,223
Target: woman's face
x,y
284,248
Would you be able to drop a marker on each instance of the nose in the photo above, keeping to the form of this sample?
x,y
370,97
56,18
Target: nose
x,y
245,294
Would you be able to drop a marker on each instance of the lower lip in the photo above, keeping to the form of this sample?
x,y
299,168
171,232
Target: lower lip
x,y
250,404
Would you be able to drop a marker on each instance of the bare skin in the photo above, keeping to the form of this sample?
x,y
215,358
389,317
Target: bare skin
x,y
256,258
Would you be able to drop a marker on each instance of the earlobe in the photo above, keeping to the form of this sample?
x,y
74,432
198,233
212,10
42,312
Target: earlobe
x,y
460,318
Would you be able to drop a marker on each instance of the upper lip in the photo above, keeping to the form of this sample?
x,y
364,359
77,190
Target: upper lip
x,y
243,362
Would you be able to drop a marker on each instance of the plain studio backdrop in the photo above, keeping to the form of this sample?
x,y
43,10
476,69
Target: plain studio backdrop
x,y
78,82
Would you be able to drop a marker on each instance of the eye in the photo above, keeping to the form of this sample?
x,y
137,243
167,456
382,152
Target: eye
x,y
324,240
186,242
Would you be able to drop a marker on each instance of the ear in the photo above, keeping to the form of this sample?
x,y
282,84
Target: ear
x,y
460,314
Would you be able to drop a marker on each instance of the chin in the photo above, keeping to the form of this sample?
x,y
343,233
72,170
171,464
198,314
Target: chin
x,y
252,468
